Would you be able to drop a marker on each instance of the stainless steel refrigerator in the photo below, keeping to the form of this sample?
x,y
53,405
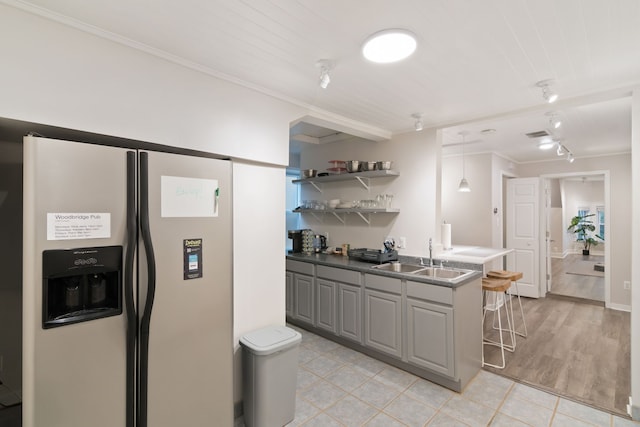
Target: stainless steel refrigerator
x,y
127,287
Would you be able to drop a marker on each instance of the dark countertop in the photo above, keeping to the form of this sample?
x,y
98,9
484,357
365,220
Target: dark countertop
x,y
345,262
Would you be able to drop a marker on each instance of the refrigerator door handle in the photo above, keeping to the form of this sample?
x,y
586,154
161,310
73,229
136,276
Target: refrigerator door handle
x,y
151,287
132,321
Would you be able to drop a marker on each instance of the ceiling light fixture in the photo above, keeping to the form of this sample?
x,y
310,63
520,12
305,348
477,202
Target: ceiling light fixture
x,y
570,157
560,150
548,95
463,187
325,66
389,46
419,124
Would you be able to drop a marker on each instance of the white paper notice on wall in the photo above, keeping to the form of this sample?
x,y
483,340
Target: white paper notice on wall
x,y
188,197
73,226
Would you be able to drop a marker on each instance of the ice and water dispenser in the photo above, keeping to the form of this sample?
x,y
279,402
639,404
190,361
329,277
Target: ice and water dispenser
x,y
81,284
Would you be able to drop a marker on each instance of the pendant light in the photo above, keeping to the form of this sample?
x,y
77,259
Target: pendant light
x,y
463,187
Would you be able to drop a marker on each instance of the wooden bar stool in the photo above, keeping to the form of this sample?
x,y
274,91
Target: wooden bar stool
x,y
494,294
513,276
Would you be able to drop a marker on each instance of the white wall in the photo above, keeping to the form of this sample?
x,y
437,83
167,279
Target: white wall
x,y
635,253
56,75
258,248
415,156
470,214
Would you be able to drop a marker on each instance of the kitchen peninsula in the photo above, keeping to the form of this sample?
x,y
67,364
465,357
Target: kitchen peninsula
x,y
423,324
475,255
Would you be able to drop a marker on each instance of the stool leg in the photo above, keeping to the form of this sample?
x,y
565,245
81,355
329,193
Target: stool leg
x,y
510,323
501,344
524,323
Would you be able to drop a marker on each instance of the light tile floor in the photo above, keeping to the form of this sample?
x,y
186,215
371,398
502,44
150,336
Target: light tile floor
x,y
340,387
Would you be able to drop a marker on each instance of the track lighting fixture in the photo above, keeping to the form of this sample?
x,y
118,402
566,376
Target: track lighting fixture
x,y
463,187
548,95
562,150
419,124
325,66
554,121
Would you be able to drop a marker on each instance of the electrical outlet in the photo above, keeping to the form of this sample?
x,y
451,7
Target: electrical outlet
x,y
627,284
402,244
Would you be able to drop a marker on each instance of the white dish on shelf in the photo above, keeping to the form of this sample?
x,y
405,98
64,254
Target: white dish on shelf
x,y
347,205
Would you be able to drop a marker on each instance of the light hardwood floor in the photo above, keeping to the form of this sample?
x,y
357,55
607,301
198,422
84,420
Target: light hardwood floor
x,y
576,350
577,285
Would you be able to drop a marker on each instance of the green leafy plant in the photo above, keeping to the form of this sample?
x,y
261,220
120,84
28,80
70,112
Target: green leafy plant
x,y
583,228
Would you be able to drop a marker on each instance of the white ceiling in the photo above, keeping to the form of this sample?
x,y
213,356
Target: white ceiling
x,y
475,68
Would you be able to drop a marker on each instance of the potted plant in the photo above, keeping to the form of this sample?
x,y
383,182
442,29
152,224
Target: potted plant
x,y
583,227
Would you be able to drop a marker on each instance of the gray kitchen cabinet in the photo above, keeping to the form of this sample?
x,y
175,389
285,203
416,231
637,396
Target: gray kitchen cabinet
x,y
383,314
300,297
303,298
430,336
349,312
289,305
428,329
383,322
326,304
332,285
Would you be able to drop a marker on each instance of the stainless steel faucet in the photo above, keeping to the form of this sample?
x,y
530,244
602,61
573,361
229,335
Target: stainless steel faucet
x,y
430,264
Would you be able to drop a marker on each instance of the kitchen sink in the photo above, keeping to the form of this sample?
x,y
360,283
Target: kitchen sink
x,y
441,273
398,267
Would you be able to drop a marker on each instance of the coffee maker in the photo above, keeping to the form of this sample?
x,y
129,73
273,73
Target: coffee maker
x,y
302,241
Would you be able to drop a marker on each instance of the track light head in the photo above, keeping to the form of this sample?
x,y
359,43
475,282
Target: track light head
x,y
325,79
548,95
570,158
419,124
554,121
325,66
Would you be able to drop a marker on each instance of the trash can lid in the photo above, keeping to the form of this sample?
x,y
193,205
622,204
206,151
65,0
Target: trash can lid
x,y
270,339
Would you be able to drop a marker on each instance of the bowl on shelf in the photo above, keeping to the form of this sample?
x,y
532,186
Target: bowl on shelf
x,y
352,165
383,165
309,173
333,203
368,166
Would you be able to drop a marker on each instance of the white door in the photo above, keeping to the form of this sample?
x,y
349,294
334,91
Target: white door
x,y
546,274
523,225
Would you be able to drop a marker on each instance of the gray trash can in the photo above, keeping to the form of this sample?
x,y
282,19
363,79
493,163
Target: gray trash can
x,y
270,371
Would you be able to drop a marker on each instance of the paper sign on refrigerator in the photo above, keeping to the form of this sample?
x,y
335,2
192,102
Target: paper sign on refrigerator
x,y
188,197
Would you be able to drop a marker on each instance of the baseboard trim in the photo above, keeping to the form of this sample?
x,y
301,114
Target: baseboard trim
x,y
620,307
634,411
